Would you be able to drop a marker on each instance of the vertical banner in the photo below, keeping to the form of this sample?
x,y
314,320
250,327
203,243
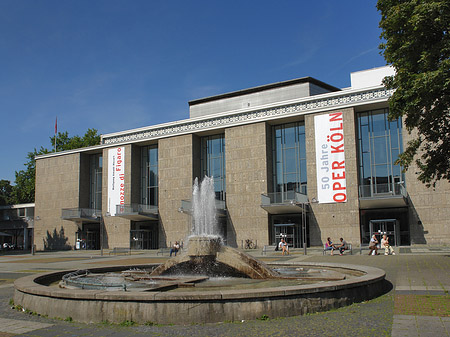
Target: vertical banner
x,y
330,158
116,177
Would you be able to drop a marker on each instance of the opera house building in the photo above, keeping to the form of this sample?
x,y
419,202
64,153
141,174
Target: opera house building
x,y
300,158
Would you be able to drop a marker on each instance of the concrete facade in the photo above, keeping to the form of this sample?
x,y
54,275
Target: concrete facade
x,y
175,184
247,179
63,180
429,213
58,183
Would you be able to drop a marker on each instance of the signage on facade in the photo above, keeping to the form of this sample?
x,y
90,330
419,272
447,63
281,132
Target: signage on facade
x,y
116,178
330,158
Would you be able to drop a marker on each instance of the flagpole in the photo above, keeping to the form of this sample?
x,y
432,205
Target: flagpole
x,y
56,130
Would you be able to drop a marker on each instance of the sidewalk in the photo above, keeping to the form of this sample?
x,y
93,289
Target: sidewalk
x,y
418,304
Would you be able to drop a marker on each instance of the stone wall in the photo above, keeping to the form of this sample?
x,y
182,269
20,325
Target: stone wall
x,y
246,179
175,167
57,187
429,210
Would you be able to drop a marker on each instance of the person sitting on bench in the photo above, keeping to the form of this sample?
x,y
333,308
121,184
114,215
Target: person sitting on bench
x,y
387,247
342,247
175,248
329,245
373,245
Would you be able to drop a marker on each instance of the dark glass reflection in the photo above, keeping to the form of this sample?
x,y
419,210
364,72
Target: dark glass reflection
x,y
379,144
213,162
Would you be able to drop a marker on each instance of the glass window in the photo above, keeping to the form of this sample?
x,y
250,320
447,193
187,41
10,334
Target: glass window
x,y
289,153
380,142
149,175
95,177
213,162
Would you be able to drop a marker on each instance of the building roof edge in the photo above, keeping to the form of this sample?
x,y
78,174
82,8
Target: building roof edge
x,y
263,88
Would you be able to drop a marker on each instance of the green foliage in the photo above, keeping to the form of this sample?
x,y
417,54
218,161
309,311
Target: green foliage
x,y
23,191
5,192
416,41
127,323
263,318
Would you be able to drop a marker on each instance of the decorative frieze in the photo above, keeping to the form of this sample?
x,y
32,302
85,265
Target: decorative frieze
x,y
326,102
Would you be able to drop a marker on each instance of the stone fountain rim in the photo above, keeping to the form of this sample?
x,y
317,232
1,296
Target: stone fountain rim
x,y
29,285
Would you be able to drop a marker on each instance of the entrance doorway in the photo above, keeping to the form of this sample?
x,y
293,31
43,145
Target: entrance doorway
x,y
144,235
290,227
393,221
88,237
385,226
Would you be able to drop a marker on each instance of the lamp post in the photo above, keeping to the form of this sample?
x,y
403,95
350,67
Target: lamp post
x,y
102,231
33,247
304,228
102,224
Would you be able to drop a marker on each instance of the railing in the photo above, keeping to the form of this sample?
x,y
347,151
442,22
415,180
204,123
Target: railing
x,y
136,208
382,190
284,198
186,205
79,213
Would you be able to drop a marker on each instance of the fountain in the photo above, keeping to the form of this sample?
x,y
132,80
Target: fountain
x,y
210,282
206,255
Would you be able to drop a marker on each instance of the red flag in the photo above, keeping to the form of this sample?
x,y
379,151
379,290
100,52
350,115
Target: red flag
x,y
56,125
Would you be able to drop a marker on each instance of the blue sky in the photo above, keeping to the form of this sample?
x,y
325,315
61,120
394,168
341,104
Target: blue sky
x,y
115,65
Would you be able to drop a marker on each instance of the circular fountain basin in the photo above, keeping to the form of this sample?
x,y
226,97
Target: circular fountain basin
x,y
205,303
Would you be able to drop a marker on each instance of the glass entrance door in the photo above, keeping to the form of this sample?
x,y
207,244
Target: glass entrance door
x,y
92,240
146,237
287,232
385,226
88,237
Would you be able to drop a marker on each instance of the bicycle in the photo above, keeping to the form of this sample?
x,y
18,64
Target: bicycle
x,y
249,244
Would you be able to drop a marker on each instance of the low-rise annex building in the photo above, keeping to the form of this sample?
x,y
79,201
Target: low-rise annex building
x,y
299,158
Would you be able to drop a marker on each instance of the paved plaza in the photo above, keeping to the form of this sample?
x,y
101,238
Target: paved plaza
x,y
417,304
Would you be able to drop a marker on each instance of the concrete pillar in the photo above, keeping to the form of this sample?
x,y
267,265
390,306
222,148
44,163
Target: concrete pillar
x,y
175,167
246,179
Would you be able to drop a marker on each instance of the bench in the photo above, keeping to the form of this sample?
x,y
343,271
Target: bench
x,y
366,247
349,249
268,248
120,250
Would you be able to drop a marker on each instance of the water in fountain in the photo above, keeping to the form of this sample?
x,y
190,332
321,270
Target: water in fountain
x,y
204,222
206,254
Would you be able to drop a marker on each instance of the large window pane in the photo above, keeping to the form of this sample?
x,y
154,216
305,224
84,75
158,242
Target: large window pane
x,y
379,144
213,162
95,176
149,175
289,166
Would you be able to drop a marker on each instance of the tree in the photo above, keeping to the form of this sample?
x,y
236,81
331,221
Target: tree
x,y
64,142
23,190
5,192
416,41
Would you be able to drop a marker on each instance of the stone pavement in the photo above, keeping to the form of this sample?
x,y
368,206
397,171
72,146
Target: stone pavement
x,y
417,305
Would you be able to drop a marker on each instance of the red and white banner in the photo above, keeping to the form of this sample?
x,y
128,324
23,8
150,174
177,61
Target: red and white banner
x,y
116,179
330,158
